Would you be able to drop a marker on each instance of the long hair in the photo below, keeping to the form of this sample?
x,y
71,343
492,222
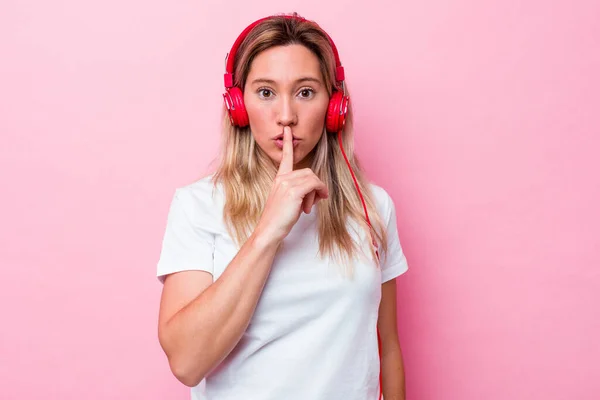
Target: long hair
x,y
246,172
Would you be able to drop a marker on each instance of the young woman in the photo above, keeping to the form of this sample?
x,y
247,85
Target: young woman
x,y
273,284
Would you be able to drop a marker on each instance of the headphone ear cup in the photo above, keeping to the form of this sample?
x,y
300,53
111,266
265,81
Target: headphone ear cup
x,y
234,101
336,112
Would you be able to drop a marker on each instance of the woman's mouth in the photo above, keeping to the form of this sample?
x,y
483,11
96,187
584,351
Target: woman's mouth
x,y
279,142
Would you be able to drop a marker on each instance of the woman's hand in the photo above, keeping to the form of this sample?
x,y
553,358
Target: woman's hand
x,y
292,193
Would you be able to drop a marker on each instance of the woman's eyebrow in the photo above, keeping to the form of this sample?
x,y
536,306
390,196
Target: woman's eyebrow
x,y
299,80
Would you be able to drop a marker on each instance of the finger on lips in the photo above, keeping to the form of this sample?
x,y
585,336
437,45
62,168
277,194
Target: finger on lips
x,y
287,165
287,157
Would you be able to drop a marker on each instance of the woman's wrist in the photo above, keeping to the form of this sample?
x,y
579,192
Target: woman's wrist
x,y
263,239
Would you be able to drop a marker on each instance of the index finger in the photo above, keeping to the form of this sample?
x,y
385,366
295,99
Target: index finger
x,y
287,157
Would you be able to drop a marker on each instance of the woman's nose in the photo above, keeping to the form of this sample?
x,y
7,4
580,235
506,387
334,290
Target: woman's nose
x,y
287,112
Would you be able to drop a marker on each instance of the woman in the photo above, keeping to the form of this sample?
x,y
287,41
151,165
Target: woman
x,y
268,292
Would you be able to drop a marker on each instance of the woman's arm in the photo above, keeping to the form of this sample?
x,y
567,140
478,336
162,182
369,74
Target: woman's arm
x,y
200,322
392,366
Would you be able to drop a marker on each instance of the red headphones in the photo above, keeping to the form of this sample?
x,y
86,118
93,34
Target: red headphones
x,y
234,98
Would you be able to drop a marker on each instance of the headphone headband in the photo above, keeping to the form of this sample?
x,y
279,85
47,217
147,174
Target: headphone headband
x,y
228,78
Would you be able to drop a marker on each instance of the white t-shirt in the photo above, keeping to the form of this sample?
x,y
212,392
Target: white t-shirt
x,y
313,334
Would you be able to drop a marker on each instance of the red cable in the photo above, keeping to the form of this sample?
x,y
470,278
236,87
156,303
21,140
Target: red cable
x,y
376,252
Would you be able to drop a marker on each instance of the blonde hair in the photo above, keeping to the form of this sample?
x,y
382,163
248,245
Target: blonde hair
x,y
247,173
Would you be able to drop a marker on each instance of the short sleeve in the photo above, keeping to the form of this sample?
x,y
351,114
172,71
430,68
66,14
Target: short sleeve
x,y
394,263
186,244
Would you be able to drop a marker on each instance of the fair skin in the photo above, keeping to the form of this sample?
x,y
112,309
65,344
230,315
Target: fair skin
x,y
285,87
392,365
201,321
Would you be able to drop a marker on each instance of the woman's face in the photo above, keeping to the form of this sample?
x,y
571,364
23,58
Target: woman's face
x,y
285,88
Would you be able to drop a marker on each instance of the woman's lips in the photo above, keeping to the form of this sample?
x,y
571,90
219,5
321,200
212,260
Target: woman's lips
x,y
279,142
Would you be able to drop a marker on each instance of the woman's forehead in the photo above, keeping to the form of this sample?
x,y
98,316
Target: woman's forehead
x,y
285,64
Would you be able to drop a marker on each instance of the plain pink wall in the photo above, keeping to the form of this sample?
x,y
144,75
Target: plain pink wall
x,y
480,118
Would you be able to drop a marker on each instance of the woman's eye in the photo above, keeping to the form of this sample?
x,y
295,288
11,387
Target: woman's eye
x,y
265,93
306,93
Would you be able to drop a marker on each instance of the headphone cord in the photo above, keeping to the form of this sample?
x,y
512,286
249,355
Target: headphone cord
x,y
376,251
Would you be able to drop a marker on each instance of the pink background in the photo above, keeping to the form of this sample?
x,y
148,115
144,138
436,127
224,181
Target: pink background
x,y
481,119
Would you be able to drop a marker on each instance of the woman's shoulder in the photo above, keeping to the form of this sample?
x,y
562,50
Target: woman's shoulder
x,y
201,186
383,200
201,195
378,191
